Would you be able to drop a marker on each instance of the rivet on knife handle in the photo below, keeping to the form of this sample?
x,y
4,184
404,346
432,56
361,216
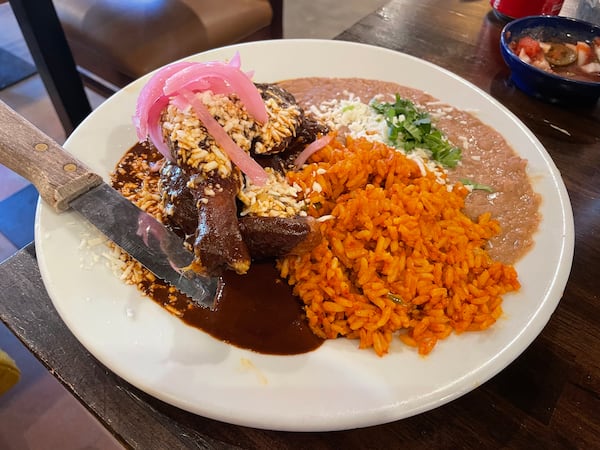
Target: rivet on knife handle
x,y
58,177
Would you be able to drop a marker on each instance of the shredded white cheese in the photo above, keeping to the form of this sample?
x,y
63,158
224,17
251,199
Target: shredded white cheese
x,y
360,120
354,116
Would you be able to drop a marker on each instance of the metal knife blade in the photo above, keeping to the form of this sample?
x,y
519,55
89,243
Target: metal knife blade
x,y
157,248
65,182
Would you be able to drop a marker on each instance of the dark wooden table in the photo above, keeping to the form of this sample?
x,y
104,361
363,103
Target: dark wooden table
x,y
548,397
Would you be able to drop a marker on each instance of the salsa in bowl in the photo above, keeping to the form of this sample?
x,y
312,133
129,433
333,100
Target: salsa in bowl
x,y
555,59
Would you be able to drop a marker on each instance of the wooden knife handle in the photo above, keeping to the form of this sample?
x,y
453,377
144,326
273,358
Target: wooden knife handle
x,y
58,176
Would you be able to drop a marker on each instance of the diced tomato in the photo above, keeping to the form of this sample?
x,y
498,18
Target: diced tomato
x,y
531,47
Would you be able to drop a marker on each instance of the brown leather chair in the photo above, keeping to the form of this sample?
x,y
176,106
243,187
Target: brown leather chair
x,y
119,41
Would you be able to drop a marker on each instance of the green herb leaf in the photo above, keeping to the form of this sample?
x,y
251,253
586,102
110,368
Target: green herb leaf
x,y
476,186
410,128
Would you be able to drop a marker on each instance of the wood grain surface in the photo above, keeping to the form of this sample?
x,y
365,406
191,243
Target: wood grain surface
x,y
549,397
56,174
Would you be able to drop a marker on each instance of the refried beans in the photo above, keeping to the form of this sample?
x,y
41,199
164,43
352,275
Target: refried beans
x,y
487,159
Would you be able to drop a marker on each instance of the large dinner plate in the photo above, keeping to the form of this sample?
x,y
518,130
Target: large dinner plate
x,y
336,386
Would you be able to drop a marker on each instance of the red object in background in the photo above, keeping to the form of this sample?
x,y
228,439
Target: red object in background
x,y
514,9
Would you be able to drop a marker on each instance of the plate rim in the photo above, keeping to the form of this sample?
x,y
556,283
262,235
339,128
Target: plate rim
x,y
390,414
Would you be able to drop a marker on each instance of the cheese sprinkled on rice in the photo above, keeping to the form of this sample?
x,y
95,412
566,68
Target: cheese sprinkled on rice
x,y
398,253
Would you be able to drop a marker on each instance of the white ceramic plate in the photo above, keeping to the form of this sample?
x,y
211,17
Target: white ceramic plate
x,y
337,386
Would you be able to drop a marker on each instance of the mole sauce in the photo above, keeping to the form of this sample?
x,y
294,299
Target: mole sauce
x,y
256,311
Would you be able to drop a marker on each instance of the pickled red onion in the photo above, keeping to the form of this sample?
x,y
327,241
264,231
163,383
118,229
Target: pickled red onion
x,y
239,157
153,90
178,82
312,148
227,77
150,93
154,128
236,61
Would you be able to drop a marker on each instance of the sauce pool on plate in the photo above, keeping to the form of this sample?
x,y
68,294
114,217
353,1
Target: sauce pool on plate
x,y
256,311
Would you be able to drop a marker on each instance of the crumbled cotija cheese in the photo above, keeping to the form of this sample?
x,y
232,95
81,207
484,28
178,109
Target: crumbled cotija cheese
x,y
359,119
197,148
277,198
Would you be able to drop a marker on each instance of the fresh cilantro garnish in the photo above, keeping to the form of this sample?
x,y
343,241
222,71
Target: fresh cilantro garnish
x,y
410,128
476,186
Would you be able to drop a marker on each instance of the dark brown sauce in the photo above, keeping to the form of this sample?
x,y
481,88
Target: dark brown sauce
x,y
256,311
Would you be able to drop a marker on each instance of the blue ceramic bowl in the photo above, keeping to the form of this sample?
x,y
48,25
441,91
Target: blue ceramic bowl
x,y
538,83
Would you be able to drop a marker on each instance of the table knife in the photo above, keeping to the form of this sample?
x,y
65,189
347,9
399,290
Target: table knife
x,y
66,183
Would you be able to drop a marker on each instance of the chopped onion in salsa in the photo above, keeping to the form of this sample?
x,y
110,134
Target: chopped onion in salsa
x,y
579,61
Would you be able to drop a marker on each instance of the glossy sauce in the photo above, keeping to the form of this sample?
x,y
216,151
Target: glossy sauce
x,y
256,311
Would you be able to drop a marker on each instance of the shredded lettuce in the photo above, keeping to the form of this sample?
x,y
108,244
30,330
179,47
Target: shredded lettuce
x,y
410,128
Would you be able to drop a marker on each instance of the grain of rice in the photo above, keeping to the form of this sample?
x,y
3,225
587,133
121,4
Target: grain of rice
x,y
398,255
